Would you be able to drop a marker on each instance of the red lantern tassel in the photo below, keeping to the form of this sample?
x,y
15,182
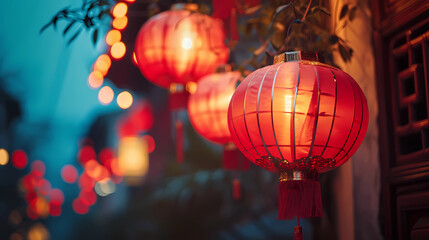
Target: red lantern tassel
x,y
236,186
298,233
179,141
233,159
299,198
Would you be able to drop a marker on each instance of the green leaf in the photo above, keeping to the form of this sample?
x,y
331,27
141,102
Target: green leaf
x,y
73,37
344,11
352,13
94,36
68,27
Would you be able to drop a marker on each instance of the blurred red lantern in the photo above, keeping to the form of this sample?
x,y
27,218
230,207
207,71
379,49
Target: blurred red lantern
x,y
139,119
208,111
298,117
180,45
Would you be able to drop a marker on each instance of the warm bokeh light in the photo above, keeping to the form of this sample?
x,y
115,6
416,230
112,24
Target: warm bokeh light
x,y
103,64
16,236
38,232
120,10
106,155
42,207
130,1
191,87
124,100
4,156
113,36
186,43
43,186
105,96
15,217
150,143
118,50
120,23
86,182
79,206
56,196
69,174
88,197
38,168
133,159
86,153
19,159
95,79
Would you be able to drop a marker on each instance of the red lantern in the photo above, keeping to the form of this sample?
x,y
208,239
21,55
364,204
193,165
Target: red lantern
x,y
208,111
180,45
297,118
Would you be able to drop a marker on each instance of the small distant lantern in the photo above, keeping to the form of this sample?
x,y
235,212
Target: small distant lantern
x,y
133,158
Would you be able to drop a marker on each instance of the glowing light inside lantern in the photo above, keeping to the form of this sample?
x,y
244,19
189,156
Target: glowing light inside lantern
x,y
113,36
191,87
95,79
118,50
4,156
124,100
120,10
133,158
186,43
105,96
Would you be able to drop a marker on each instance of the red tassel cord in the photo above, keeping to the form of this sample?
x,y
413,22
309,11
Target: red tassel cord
x,y
178,99
299,198
236,186
179,141
298,233
233,159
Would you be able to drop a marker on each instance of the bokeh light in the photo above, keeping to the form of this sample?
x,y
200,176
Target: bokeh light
x,y
38,168
124,100
103,64
120,23
79,206
105,96
38,232
4,156
16,236
113,36
88,197
120,10
95,79
86,153
86,182
191,87
118,50
130,1
15,217
19,159
105,187
150,141
56,196
69,173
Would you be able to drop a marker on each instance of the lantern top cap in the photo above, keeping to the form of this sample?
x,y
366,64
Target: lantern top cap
x,y
193,7
298,56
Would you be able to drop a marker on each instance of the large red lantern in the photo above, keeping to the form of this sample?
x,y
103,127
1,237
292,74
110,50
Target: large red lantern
x,y
297,118
180,45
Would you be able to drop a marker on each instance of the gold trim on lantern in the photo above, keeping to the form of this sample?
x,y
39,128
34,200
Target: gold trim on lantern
x,y
229,146
298,56
193,7
298,175
176,88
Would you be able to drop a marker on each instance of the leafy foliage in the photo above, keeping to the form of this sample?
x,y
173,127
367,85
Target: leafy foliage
x,y
87,16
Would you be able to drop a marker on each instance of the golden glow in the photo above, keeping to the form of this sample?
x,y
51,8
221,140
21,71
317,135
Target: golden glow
x,y
191,87
120,10
4,156
118,50
95,79
186,43
93,169
113,36
16,236
130,1
124,100
103,63
15,217
105,95
133,158
135,58
120,23
38,232
42,207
